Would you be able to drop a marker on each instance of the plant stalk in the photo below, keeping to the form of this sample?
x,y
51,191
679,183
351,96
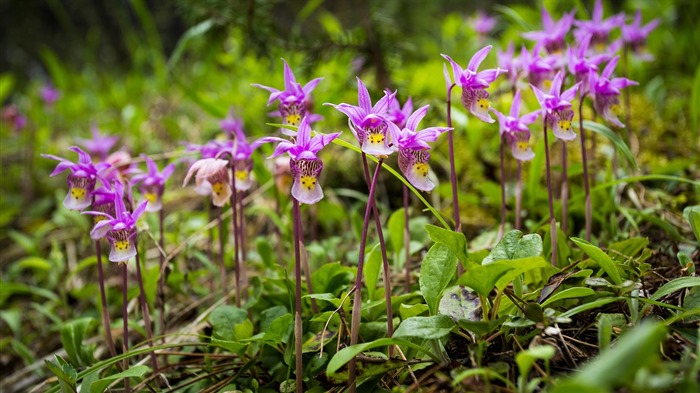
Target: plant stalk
x,y
103,300
407,239
242,240
502,227
144,308
564,189
222,265
161,274
125,323
298,333
518,195
234,224
357,302
586,186
552,219
453,174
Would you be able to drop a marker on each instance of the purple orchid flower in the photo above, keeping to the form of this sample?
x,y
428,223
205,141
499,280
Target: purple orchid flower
x,y
556,107
103,201
49,94
100,145
514,128
537,68
120,228
369,123
304,163
211,149
231,124
153,183
241,152
581,65
509,62
482,23
635,35
212,177
81,181
397,114
606,92
295,100
474,95
413,148
597,27
553,34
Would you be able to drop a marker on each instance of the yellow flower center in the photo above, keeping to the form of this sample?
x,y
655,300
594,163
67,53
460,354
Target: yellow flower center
x,y
421,168
217,188
308,182
547,84
565,125
376,138
483,103
615,109
241,175
522,145
293,119
151,197
78,193
97,219
121,245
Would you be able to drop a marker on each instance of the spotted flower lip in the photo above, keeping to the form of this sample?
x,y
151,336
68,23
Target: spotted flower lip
x,y
606,91
241,152
473,83
553,34
81,181
100,144
294,100
514,128
153,183
597,27
212,177
414,150
305,165
368,122
556,107
120,228
580,64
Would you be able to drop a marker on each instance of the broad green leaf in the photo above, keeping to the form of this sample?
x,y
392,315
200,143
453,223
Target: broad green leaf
x,y
269,315
100,385
343,356
692,215
408,311
569,293
456,241
331,277
514,245
72,335
397,225
481,372
315,342
520,266
373,266
589,306
601,258
460,303
429,328
437,269
687,264
65,372
528,357
280,329
617,141
483,278
632,351
223,320
628,248
675,285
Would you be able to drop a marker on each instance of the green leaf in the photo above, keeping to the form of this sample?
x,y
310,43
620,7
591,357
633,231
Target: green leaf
x,y
100,385
617,141
65,372
627,248
373,266
397,224
191,33
315,342
456,241
528,357
569,293
429,328
483,278
224,319
601,258
7,83
631,352
437,269
675,285
695,103
72,335
514,245
408,311
692,215
343,356
520,266
280,329
460,303
589,306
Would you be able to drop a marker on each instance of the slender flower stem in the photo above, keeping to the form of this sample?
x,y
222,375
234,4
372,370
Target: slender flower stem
x,y
357,302
305,266
518,195
222,265
502,227
552,219
564,189
278,231
163,271
385,259
210,251
241,237
144,308
586,187
298,333
453,174
407,239
125,322
103,299
234,224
